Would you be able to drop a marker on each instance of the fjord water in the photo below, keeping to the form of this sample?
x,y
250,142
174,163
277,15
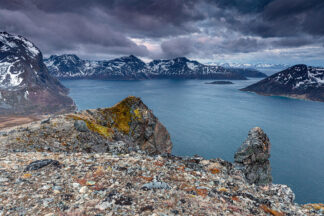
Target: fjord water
x,y
214,120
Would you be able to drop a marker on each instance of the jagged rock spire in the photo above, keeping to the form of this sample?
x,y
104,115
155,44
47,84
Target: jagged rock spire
x,y
253,157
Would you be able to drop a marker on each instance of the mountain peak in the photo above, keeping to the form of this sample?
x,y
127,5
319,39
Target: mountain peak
x,y
131,58
181,59
17,43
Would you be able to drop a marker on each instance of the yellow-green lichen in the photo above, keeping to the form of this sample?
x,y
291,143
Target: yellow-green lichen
x,y
118,117
102,130
122,114
137,114
93,126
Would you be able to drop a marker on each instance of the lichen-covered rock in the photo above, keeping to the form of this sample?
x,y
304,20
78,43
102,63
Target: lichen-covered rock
x,y
129,125
253,157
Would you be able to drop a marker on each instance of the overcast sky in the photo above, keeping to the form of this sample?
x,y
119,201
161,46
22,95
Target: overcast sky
x,y
243,31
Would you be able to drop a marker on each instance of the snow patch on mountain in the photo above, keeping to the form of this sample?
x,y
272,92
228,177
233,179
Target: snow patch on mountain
x,y
9,78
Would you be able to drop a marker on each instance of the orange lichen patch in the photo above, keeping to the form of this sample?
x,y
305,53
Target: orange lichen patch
x,y
64,144
158,163
235,198
181,168
315,206
202,192
148,179
271,211
26,175
214,170
82,182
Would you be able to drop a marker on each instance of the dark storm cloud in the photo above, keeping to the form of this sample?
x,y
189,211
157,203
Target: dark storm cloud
x,y
289,18
178,27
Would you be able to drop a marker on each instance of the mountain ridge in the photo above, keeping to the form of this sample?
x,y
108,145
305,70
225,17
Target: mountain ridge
x,y
69,66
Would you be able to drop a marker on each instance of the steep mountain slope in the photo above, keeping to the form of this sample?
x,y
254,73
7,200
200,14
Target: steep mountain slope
x,y
132,68
299,81
26,87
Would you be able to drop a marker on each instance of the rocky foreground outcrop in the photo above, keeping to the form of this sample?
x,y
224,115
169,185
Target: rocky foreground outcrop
x,y
116,161
26,87
127,126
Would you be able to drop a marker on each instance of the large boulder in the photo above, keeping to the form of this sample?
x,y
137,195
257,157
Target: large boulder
x,y
253,157
127,126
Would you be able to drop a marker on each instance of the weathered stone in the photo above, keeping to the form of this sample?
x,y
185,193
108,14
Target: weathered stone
x,y
156,184
81,126
42,163
253,157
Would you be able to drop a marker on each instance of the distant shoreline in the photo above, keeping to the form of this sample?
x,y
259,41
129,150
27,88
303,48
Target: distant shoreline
x,y
11,121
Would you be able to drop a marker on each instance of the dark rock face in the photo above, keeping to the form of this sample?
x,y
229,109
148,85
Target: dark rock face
x,y
220,82
299,81
127,126
26,87
253,157
132,68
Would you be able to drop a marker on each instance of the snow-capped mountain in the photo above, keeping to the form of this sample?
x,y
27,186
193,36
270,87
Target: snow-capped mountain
x,y
25,85
263,67
299,81
132,68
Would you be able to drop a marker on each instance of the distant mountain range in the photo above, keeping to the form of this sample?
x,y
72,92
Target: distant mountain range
x,y
26,87
266,68
299,81
70,66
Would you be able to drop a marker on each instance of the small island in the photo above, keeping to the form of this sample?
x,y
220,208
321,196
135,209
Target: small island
x,y
220,82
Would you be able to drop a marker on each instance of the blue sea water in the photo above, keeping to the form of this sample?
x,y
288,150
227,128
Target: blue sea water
x,y
214,120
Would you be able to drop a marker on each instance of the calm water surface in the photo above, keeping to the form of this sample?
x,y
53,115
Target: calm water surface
x,y
213,121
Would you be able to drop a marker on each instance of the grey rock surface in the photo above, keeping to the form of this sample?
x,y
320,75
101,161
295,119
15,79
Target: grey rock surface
x,y
253,157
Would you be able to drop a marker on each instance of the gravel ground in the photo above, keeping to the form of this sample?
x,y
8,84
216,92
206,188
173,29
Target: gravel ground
x,y
38,183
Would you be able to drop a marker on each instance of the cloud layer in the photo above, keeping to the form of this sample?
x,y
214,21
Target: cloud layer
x,y
279,31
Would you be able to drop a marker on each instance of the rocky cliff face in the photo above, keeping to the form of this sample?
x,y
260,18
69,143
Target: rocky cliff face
x,y
132,68
253,157
25,84
299,81
127,126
